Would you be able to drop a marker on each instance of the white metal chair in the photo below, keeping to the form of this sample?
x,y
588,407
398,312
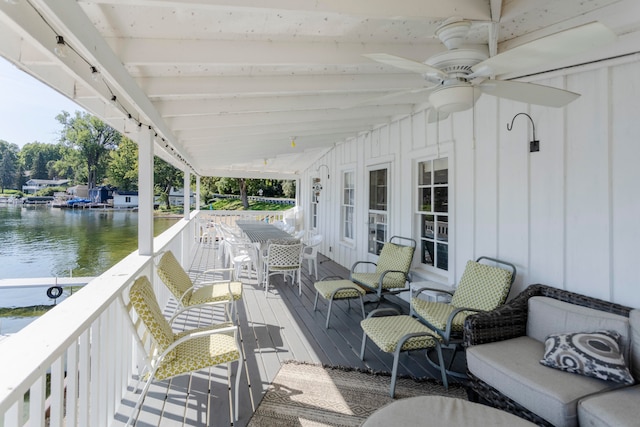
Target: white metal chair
x,y
283,257
201,294
310,253
169,354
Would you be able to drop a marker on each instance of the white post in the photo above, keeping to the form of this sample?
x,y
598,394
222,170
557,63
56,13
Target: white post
x,y
187,193
197,192
145,192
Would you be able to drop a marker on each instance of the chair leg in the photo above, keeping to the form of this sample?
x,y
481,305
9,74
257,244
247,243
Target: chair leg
x,y
362,307
364,344
443,371
394,370
328,313
136,408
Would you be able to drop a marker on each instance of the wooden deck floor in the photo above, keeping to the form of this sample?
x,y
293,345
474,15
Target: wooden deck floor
x,y
275,328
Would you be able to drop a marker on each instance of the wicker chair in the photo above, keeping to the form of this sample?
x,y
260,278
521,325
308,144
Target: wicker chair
x,y
391,271
191,295
510,321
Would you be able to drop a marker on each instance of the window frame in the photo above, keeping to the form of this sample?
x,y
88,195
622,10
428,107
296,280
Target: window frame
x,y
442,228
345,206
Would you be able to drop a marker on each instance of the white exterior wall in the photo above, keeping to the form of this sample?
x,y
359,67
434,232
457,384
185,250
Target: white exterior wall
x,y
567,216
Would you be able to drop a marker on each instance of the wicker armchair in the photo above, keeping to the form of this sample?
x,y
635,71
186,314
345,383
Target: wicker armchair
x,y
510,321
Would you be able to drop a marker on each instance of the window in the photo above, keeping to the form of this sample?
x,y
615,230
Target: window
x,y
348,205
433,212
378,216
127,199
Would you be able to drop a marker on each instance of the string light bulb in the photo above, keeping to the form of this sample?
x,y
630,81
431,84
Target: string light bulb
x,y
61,47
293,142
265,161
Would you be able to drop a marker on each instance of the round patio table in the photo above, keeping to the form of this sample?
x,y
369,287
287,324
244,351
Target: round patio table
x,y
441,411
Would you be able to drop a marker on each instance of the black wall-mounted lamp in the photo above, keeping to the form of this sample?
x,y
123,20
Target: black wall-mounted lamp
x,y
534,145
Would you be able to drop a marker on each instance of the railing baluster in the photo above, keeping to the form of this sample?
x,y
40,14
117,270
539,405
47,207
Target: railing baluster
x,y
36,402
83,380
72,384
56,402
95,368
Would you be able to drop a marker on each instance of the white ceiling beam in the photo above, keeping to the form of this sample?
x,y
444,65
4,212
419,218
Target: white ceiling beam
x,y
254,53
165,87
189,107
285,117
469,9
294,129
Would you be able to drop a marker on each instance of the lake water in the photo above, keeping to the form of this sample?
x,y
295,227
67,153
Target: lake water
x,y
40,241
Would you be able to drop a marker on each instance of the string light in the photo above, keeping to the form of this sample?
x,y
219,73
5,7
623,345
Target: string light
x,y
293,142
94,73
61,47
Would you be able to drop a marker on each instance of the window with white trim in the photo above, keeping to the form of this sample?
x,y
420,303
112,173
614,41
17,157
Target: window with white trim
x,y
347,208
433,212
378,215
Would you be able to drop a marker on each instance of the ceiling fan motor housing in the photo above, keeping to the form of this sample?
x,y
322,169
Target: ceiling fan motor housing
x,y
454,97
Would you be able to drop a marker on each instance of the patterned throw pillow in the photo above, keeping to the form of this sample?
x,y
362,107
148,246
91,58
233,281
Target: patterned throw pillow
x,y
594,354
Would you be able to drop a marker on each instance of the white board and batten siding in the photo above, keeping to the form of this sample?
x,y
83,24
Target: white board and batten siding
x,y
567,216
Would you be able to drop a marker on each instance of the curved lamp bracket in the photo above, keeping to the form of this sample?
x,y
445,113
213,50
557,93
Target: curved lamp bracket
x,y
534,145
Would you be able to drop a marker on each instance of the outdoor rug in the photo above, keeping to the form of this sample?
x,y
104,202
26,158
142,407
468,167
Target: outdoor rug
x,y
312,395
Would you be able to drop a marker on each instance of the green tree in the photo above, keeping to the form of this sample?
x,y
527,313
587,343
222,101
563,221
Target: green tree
x,y
69,165
123,166
166,176
93,138
39,156
8,164
289,189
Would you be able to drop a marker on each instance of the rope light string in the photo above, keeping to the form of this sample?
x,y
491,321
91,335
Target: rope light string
x,y
61,49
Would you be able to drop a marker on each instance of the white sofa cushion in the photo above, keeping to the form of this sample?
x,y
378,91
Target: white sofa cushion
x,y
513,368
548,316
611,409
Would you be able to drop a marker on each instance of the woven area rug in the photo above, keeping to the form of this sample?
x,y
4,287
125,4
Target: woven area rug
x,y
312,395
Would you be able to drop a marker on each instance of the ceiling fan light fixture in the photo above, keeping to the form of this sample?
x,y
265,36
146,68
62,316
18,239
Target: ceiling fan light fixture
x,y
453,98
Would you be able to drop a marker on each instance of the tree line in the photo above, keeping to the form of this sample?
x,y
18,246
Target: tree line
x,y
93,153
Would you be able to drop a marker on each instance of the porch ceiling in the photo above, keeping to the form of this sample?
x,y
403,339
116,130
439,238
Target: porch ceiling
x,y
228,84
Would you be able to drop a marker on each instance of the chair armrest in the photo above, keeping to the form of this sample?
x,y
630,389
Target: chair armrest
x,y
353,267
506,322
418,291
197,333
200,277
381,312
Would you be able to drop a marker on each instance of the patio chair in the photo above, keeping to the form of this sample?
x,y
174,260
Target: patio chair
x,y
283,257
391,271
170,354
437,324
191,295
310,253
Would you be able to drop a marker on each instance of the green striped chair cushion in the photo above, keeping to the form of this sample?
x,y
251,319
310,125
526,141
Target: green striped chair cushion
x,y
199,353
392,257
482,287
215,292
387,331
144,301
173,275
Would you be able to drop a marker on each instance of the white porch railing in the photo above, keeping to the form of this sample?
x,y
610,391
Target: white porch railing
x,y
230,217
72,366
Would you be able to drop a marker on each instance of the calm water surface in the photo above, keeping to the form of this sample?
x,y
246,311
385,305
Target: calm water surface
x,y
40,241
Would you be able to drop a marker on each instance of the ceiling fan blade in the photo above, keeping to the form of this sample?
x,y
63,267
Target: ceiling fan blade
x,y
546,49
407,64
528,92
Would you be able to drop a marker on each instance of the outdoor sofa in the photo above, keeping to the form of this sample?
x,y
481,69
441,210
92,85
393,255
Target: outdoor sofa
x,y
505,347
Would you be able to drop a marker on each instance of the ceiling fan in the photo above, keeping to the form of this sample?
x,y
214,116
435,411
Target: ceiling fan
x,y
458,76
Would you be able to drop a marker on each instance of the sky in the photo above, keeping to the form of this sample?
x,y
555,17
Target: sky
x,y
28,108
